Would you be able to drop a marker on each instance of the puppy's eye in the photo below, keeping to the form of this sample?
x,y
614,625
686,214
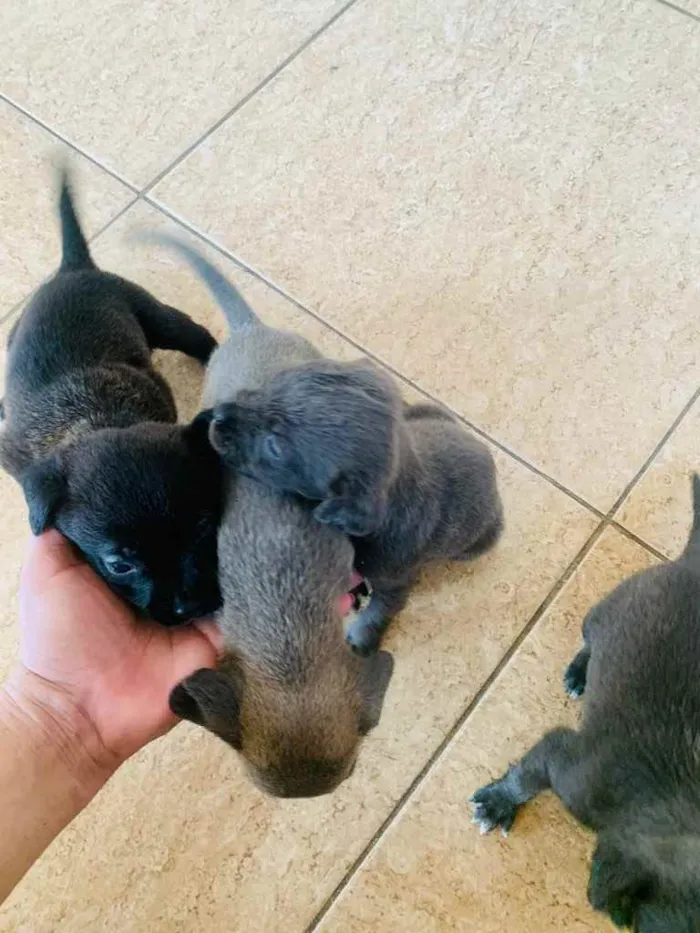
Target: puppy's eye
x,y
272,447
120,566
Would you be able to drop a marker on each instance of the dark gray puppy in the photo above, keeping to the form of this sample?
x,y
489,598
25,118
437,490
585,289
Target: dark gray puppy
x,y
253,351
632,771
406,482
289,695
88,432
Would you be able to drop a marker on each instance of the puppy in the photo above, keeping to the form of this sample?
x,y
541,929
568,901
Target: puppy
x,y
253,352
632,771
88,432
289,695
406,482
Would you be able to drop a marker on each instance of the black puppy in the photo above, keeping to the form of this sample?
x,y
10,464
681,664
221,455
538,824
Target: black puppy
x,y
89,433
406,482
632,771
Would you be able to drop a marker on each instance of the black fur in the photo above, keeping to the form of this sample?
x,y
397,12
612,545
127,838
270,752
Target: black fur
x,y
89,432
632,771
407,483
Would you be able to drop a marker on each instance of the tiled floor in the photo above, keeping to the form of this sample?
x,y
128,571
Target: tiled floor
x,y
501,201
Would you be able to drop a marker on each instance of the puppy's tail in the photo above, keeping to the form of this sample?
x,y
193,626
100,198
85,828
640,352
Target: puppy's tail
x,y
692,548
76,254
238,313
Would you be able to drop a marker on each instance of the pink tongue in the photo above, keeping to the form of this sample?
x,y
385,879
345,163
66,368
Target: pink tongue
x,y
347,601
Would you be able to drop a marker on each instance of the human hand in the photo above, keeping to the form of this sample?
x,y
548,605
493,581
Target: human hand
x,y
88,662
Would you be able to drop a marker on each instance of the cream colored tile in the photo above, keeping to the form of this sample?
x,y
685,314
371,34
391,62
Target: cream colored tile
x,y
180,842
500,199
30,247
689,6
659,508
134,84
433,872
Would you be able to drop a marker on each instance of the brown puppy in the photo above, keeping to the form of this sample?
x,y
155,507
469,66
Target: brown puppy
x,y
290,696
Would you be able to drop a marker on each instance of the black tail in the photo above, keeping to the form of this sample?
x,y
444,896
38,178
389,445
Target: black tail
x,y
692,548
237,311
76,254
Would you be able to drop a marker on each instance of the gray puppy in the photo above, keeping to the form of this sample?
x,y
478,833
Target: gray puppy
x,y
406,482
253,352
289,695
632,771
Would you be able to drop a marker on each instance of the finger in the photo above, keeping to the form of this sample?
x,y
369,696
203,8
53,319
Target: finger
x,y
191,650
213,633
48,555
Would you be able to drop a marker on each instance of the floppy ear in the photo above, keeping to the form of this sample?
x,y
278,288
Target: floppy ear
x,y
616,884
209,698
44,486
357,509
375,674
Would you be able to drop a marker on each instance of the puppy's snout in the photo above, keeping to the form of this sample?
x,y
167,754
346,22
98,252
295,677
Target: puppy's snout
x,y
223,429
185,608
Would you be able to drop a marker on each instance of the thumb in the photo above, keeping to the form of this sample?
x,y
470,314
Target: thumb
x,y
191,651
47,556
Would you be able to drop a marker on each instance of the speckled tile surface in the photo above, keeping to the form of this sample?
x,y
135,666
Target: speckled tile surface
x,y
502,203
134,84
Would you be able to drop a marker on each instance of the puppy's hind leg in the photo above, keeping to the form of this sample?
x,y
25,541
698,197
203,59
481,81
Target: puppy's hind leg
x,y
551,763
166,328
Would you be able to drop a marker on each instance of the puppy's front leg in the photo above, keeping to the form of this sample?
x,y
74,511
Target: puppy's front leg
x,y
365,632
546,765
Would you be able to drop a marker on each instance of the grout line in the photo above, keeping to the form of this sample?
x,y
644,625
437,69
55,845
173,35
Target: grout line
x,y
247,97
611,523
71,145
679,9
446,743
654,454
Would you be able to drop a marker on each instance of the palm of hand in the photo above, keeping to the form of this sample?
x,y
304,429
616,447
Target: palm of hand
x,y
80,637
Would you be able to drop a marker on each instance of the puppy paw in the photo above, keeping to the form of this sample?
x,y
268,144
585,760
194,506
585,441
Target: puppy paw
x,y
363,639
493,807
575,676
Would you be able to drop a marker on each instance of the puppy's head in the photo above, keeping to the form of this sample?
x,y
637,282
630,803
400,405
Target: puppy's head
x,y
648,881
142,504
291,696
298,740
327,431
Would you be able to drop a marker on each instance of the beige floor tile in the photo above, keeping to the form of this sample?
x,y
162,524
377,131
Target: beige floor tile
x,y
432,872
30,245
690,6
659,509
134,84
180,842
499,199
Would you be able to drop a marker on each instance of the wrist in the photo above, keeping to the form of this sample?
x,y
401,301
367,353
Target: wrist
x,y
51,726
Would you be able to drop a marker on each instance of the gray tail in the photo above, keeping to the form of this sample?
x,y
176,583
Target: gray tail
x,y
692,548
238,313
76,254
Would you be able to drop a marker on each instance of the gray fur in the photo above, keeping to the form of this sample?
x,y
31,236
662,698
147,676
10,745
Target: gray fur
x,y
632,771
253,352
407,483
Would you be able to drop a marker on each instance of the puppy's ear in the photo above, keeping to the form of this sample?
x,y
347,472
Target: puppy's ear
x,y
209,698
44,485
196,433
375,674
617,883
357,509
